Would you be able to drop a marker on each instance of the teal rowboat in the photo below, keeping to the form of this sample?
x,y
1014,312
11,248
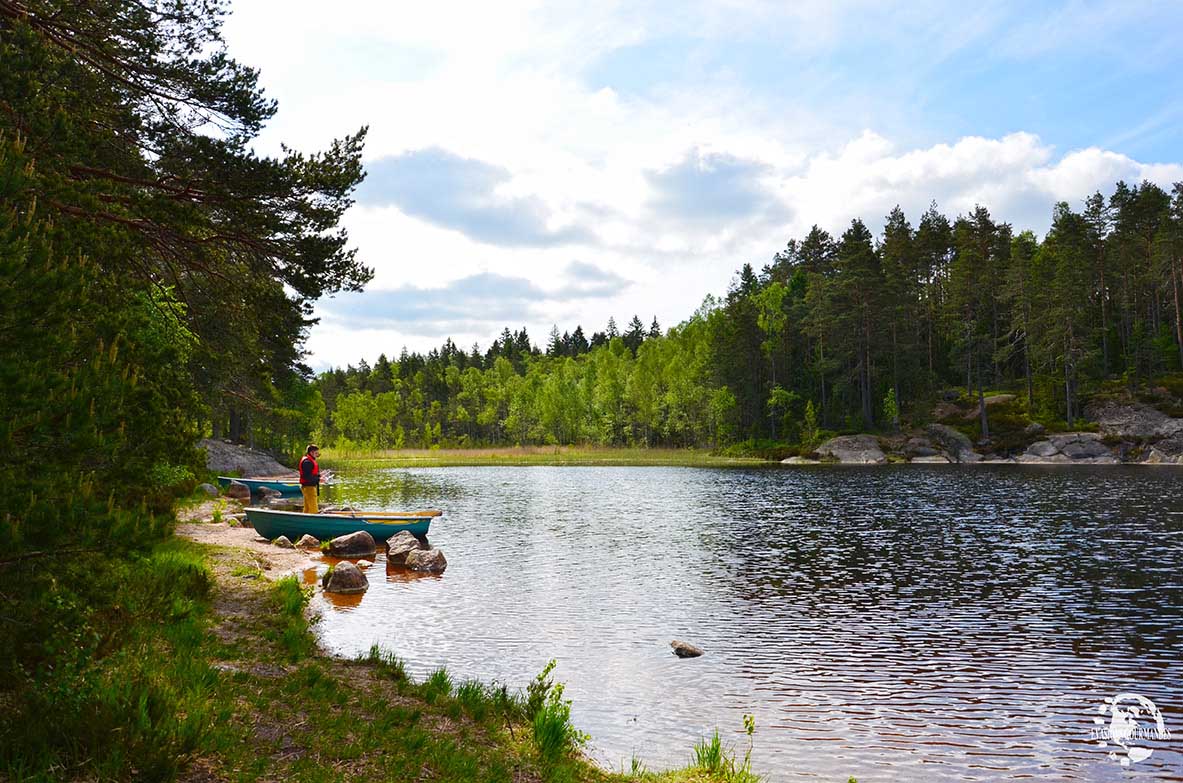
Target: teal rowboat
x,y
272,524
285,487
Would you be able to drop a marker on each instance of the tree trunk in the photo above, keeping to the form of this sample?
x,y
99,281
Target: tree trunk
x,y
982,407
895,371
1178,320
1104,322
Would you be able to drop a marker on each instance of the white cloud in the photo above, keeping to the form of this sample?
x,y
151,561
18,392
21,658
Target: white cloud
x,y
527,169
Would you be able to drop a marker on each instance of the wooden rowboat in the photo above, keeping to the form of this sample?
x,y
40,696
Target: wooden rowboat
x,y
272,523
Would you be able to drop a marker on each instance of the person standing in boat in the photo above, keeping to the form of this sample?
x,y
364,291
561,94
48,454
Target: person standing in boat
x,y
310,478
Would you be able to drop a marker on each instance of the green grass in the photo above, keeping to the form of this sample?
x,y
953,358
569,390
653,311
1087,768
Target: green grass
x,y
529,455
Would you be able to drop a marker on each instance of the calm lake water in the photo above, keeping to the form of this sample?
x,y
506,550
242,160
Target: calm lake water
x,y
899,623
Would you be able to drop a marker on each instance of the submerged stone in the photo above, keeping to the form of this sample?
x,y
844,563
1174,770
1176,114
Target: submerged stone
x,y
344,578
432,560
685,649
400,545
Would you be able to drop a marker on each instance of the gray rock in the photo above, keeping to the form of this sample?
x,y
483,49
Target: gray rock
x,y
1041,449
308,542
345,578
238,491
209,490
399,546
283,543
1034,430
432,560
223,457
685,649
954,442
267,493
1133,420
854,449
1084,448
359,544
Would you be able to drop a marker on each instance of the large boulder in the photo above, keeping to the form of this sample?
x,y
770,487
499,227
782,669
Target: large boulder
x,y
1132,420
267,494
432,560
400,545
238,491
308,542
209,490
953,442
359,544
346,578
1066,447
853,449
224,457
1168,451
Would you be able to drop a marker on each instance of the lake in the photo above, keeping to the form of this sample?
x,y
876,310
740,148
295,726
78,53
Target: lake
x,y
896,623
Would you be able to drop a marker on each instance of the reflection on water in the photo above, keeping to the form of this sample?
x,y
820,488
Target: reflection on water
x,y
888,623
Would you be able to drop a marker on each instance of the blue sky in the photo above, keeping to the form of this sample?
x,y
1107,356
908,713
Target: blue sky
x,y
558,163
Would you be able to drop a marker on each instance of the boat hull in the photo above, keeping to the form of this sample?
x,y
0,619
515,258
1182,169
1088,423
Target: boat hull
x,y
285,488
272,524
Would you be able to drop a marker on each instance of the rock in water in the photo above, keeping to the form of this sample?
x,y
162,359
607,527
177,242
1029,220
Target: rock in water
x,y
685,649
400,545
432,560
359,544
344,578
209,490
308,542
238,491
283,543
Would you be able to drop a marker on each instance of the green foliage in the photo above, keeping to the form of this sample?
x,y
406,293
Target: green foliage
x,y
102,677
713,758
289,598
554,735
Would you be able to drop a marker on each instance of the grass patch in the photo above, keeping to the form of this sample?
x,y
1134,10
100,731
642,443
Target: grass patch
x,y
531,455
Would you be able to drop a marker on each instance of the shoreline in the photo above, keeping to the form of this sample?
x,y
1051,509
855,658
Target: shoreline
x,y
298,710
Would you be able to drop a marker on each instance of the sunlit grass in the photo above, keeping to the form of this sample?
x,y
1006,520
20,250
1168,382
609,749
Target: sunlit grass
x,y
528,455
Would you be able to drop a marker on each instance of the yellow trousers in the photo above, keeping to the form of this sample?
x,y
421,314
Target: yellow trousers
x,y
309,499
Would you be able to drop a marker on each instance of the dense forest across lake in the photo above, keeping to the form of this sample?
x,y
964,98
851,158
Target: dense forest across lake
x,y
857,332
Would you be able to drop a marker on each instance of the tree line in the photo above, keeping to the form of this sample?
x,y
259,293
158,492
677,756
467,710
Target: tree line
x,y
854,332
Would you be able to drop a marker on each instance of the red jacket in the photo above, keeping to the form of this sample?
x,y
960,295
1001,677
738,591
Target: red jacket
x,y
309,472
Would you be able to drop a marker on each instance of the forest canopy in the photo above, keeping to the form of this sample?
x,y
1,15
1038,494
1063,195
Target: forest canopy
x,y
851,332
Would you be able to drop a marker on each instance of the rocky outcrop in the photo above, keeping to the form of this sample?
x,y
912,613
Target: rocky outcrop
x,y
359,544
1168,451
239,491
1133,421
685,649
853,449
1084,448
344,578
400,545
953,442
283,542
308,542
224,457
431,560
